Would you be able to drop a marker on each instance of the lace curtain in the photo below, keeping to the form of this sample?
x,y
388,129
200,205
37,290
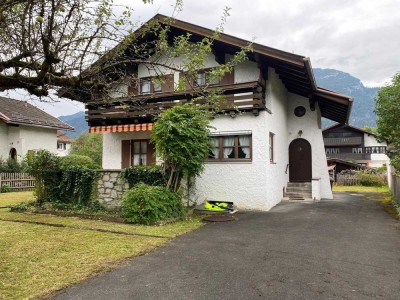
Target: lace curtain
x,y
244,143
229,142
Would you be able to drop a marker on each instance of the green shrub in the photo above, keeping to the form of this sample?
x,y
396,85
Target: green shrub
x,y
371,179
5,188
150,175
11,166
74,160
147,204
66,180
45,167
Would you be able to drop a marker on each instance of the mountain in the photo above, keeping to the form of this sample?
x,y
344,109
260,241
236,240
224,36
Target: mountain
x,y
77,121
362,112
363,97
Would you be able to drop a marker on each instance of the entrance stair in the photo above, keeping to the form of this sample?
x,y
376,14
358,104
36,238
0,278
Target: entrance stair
x,y
298,191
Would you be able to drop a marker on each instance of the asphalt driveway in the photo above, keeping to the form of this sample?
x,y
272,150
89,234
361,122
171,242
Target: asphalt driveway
x,y
347,248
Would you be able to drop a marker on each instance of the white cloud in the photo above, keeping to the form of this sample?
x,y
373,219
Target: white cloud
x,y
357,37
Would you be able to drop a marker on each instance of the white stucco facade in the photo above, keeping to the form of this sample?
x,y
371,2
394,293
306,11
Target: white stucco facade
x,y
24,138
377,159
257,184
63,149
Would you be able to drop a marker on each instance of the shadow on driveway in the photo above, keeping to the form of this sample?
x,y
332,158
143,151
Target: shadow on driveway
x,y
346,248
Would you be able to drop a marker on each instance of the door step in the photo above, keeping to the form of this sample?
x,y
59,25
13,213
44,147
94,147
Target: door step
x,y
298,191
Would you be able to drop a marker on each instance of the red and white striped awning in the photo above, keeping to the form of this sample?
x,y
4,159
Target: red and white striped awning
x,y
121,128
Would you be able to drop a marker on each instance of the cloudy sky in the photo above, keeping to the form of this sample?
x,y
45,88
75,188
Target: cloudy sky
x,y
358,37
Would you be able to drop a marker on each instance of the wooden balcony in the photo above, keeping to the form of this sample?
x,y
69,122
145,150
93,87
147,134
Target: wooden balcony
x,y
248,96
344,141
350,156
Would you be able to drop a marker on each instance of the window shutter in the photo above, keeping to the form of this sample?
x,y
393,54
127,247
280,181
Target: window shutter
x,y
168,83
126,154
151,155
133,88
229,78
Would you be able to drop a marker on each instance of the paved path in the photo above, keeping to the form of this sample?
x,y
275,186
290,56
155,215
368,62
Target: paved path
x,y
345,248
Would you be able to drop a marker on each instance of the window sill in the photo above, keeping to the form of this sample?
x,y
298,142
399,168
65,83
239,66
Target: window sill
x,y
229,161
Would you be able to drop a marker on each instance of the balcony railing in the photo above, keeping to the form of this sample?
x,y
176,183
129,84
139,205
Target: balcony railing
x,y
344,141
248,96
350,156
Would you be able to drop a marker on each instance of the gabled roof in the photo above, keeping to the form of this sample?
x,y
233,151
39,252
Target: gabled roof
x,y
63,138
20,112
352,128
294,70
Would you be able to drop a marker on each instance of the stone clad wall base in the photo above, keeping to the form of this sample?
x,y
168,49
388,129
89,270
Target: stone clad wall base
x,y
110,188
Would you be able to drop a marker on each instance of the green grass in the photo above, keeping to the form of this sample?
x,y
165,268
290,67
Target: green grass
x,y
36,260
361,189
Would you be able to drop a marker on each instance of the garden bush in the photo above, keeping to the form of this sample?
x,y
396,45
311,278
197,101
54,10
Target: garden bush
x,y
5,188
74,160
11,166
371,179
150,175
147,204
62,180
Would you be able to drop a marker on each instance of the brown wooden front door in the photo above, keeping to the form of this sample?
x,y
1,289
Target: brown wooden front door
x,y
300,161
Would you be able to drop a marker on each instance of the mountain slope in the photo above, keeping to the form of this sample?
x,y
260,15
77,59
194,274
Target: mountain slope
x,y
77,121
363,106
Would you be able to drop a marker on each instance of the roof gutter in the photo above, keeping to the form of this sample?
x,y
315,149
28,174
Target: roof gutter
x,y
42,126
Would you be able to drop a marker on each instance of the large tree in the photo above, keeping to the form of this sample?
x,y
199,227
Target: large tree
x,y
78,47
387,108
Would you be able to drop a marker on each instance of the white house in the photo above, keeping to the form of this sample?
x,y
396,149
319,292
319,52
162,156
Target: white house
x,y
63,143
273,149
355,144
24,128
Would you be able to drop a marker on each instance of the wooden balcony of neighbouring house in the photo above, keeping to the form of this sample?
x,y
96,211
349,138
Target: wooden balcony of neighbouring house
x,y
343,141
136,109
350,156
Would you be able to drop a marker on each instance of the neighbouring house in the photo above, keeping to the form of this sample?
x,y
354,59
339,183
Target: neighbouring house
x,y
274,148
63,143
25,128
337,165
356,145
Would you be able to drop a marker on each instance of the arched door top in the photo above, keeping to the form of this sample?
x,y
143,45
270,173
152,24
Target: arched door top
x,y
300,161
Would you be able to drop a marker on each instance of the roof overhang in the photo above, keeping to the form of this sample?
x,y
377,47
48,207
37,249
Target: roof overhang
x,y
67,127
294,70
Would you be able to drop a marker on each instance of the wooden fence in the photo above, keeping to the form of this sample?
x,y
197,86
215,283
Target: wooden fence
x,y
395,187
346,179
17,181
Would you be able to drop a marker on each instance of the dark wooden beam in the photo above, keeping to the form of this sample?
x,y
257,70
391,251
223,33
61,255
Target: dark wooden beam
x,y
219,55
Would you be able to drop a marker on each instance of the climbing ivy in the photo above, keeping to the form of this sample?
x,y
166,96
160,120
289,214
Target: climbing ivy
x,y
57,182
150,175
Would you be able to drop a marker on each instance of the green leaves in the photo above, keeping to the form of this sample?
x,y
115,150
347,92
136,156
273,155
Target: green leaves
x,y
90,145
387,107
151,204
181,136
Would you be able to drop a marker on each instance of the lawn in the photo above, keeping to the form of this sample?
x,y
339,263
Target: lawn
x,y
36,260
361,189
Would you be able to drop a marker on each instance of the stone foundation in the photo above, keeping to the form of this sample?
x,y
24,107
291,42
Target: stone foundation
x,y
111,187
